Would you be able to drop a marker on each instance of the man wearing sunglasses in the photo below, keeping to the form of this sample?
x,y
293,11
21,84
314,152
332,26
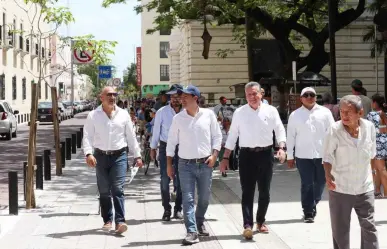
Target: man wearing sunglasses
x,y
306,130
108,132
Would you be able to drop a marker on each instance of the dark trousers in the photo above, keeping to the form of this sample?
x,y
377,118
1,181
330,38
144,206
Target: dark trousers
x,y
111,172
165,180
312,183
255,168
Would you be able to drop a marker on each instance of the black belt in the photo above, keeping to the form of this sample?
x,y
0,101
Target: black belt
x,y
110,152
163,143
195,160
257,149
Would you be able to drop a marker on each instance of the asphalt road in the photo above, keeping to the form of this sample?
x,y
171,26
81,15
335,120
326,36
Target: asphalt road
x,y
13,153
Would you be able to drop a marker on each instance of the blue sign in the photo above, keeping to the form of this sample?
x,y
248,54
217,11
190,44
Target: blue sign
x,y
105,72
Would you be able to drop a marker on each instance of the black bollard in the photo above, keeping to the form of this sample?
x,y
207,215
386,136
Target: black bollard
x,y
81,129
74,143
79,140
47,165
63,153
39,172
68,148
25,164
13,193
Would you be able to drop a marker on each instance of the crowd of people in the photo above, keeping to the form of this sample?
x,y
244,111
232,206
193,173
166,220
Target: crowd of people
x,y
341,146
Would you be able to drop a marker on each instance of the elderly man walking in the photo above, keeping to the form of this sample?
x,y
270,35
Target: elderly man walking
x,y
198,135
349,147
108,132
306,131
254,124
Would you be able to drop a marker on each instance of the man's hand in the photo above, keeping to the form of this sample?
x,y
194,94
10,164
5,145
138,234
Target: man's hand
x,y
153,154
281,155
171,172
139,162
330,181
291,164
224,165
91,161
211,160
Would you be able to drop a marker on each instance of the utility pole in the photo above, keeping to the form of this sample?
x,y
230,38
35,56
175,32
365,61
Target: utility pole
x,y
72,73
249,27
332,8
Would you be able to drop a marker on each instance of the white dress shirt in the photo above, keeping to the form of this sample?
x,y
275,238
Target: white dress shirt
x,y
163,121
350,160
255,127
106,133
306,131
196,136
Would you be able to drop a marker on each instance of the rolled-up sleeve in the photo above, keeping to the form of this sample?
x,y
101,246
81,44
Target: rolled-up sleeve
x,y
291,136
173,138
88,135
233,133
329,146
156,130
373,138
131,138
216,133
279,128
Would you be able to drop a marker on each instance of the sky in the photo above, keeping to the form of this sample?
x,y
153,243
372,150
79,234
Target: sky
x,y
117,23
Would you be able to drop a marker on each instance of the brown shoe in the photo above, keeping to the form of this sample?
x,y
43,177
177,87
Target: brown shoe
x,y
107,226
121,228
248,233
262,228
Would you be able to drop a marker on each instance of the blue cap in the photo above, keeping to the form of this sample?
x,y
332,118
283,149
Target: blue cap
x,y
191,89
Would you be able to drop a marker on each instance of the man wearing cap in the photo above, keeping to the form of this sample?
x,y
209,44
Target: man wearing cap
x,y
162,123
306,130
163,101
359,90
198,135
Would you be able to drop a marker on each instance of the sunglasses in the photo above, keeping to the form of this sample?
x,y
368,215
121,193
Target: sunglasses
x,y
112,94
306,95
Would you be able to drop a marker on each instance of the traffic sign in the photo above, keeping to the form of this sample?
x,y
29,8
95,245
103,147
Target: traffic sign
x,y
105,72
116,81
83,57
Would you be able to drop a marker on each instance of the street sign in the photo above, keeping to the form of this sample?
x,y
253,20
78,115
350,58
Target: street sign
x,y
83,57
116,81
105,72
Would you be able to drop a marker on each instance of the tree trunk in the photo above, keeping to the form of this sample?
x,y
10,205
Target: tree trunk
x,y
56,131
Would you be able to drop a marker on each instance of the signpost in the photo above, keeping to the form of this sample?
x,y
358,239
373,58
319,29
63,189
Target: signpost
x,y
116,82
105,72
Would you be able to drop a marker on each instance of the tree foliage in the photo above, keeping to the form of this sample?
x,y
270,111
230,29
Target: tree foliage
x,y
130,80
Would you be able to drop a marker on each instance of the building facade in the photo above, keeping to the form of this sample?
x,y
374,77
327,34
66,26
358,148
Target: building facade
x,y
19,53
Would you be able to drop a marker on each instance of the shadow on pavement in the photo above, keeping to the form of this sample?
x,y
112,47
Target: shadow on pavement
x,y
84,232
63,215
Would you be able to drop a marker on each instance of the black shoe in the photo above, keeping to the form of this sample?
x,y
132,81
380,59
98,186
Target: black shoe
x,y
177,215
224,174
166,215
203,231
308,218
190,239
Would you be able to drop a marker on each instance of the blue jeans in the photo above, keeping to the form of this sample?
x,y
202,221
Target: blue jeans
x,y
192,174
111,172
165,180
312,183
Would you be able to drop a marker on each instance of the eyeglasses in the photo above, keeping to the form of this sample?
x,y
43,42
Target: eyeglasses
x,y
306,95
112,94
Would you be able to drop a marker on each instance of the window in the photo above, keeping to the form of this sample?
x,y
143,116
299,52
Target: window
x,y
165,31
24,88
164,72
164,48
28,45
21,45
2,86
46,91
40,90
14,88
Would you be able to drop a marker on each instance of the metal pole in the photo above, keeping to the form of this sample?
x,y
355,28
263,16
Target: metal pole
x,y
376,60
332,7
72,74
249,48
13,193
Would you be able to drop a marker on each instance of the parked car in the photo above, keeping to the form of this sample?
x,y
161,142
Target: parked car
x,y
8,120
45,112
69,109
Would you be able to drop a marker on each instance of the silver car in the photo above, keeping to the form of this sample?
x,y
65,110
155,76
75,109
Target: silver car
x,y
8,120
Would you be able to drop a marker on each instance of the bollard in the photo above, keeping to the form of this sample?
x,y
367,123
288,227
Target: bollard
x,y
39,172
47,165
81,129
74,143
79,140
25,164
68,148
13,193
63,153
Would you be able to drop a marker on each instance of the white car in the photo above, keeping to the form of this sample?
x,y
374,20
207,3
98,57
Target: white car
x,y
8,120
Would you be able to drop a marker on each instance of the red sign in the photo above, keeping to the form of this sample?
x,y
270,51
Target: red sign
x,y
138,66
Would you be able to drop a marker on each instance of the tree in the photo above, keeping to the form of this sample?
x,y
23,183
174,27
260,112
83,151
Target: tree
x,y
285,20
130,80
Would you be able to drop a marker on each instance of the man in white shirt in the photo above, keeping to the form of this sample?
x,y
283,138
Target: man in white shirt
x,y
254,124
349,147
306,129
108,132
162,123
198,135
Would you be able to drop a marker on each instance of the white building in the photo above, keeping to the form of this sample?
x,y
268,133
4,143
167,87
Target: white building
x,y
19,65
154,55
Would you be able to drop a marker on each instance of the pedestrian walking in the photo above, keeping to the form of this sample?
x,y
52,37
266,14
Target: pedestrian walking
x,y
108,132
359,90
306,130
349,147
198,135
254,124
162,124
